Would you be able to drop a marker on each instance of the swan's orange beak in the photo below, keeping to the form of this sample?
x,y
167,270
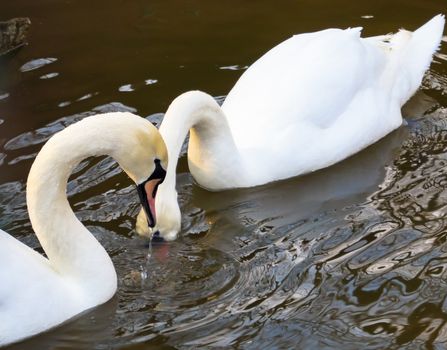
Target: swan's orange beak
x,y
147,192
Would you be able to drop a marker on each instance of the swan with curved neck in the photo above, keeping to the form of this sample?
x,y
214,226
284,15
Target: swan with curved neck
x,y
313,100
38,293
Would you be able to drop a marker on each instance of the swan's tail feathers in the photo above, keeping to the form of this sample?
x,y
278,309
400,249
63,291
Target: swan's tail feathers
x,y
416,51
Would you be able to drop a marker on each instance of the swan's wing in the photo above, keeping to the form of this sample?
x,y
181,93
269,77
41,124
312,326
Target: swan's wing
x,y
308,79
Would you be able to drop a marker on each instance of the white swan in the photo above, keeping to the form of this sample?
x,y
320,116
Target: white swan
x,y
312,101
37,293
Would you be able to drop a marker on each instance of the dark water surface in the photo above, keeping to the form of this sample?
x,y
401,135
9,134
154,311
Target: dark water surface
x,y
354,256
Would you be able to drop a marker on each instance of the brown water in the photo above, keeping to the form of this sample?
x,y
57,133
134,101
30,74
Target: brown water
x,y
354,256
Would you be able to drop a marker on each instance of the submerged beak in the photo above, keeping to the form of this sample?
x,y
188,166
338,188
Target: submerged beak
x,y
147,192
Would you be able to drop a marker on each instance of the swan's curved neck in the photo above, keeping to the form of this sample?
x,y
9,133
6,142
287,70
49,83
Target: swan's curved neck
x,y
213,157
71,248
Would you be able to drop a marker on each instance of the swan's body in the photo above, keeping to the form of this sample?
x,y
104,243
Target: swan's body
x,y
37,293
312,101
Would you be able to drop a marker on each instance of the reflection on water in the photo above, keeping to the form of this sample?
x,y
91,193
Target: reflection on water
x,y
349,256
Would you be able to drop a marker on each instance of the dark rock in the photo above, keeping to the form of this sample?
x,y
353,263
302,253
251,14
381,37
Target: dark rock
x,y
13,34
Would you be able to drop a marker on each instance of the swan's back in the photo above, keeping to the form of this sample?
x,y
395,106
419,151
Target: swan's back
x,y
310,80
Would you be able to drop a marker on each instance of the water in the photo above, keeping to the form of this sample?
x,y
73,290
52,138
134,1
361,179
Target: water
x,y
349,257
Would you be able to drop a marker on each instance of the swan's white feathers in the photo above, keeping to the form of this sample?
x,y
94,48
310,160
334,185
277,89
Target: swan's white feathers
x,y
328,83
30,286
285,95
415,55
308,81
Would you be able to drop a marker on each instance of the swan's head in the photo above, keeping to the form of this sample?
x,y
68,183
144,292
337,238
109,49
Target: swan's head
x,y
144,157
168,215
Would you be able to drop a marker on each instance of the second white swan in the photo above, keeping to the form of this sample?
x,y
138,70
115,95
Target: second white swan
x,y
313,100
